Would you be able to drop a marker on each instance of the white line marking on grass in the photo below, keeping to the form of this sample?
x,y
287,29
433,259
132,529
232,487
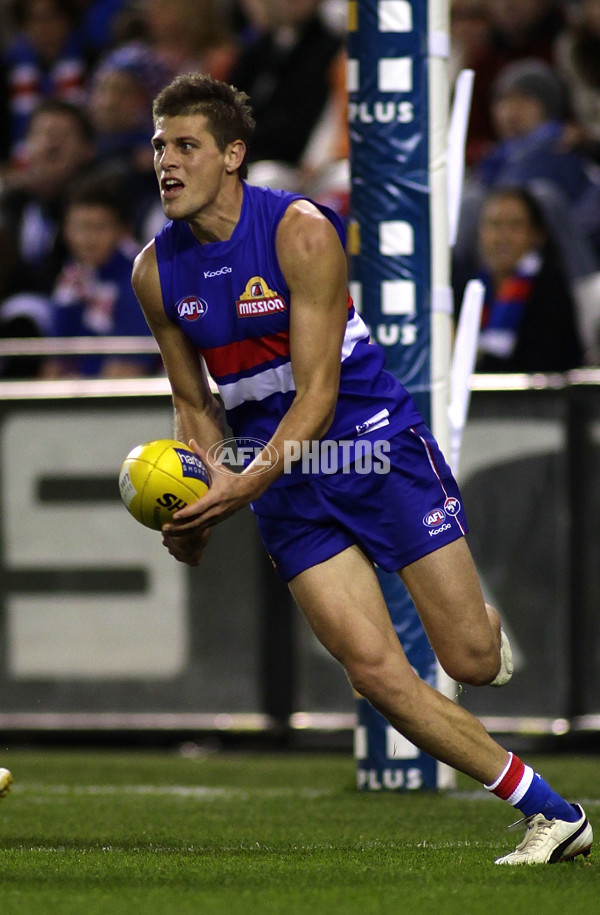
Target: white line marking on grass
x,y
200,792
45,792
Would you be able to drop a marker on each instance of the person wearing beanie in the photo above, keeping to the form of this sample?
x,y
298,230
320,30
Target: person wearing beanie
x,y
533,81
529,108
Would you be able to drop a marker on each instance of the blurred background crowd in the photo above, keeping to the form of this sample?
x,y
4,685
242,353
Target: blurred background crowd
x,y
78,195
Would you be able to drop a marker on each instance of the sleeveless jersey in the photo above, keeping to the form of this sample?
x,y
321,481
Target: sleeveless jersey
x,y
231,300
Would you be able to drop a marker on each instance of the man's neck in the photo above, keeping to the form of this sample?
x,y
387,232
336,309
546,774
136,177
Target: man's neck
x,y
219,224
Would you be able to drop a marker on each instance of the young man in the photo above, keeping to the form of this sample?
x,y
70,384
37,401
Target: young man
x,y
254,282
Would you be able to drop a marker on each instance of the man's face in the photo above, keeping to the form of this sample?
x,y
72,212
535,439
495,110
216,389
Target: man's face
x,y
117,102
47,27
516,114
506,233
55,151
93,233
189,166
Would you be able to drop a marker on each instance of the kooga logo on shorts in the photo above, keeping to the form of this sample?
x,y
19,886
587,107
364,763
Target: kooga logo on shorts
x,y
434,520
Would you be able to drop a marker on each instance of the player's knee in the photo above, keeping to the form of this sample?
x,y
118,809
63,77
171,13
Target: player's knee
x,y
477,665
376,678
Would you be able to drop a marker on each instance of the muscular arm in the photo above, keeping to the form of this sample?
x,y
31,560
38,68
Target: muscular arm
x,y
197,413
314,264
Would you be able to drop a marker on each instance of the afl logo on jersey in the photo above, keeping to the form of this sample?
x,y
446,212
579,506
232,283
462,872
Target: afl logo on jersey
x,y
191,308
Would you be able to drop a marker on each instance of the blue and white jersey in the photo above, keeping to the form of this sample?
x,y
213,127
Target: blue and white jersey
x,y
231,300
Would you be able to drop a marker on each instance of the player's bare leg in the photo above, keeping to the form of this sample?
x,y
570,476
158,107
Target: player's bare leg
x,y
463,630
343,603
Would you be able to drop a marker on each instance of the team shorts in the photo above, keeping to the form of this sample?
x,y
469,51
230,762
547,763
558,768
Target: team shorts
x,y
395,517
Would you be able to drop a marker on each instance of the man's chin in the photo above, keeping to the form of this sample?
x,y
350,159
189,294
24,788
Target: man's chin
x,y
171,210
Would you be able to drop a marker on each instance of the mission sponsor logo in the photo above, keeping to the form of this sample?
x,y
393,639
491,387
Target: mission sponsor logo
x,y
191,308
259,299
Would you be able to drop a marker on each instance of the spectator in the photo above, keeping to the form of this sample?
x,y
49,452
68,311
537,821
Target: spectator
x,y
486,36
577,56
524,28
248,18
529,320
293,71
98,25
93,295
59,146
190,35
44,59
470,45
120,107
529,110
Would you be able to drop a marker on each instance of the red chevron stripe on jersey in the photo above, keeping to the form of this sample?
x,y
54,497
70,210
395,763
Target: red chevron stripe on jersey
x,y
242,355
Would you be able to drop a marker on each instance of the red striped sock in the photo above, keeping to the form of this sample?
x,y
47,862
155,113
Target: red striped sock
x,y
513,782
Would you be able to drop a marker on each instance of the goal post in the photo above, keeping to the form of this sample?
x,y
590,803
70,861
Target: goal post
x,y
400,281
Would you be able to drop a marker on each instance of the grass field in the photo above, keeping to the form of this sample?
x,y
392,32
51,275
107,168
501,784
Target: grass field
x,y
159,833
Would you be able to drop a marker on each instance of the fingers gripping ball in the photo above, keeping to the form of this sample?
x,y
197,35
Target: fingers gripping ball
x,y
159,478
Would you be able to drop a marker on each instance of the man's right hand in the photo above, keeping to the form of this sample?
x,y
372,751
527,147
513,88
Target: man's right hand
x,y
189,547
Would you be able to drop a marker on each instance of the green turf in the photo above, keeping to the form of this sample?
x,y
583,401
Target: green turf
x,y
84,833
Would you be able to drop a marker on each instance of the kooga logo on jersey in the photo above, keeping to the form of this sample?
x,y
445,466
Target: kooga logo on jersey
x,y
209,273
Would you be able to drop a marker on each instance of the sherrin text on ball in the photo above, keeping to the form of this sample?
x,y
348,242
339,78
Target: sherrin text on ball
x,y
159,478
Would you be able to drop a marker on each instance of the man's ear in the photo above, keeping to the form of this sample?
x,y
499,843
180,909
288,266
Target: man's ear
x,y
234,156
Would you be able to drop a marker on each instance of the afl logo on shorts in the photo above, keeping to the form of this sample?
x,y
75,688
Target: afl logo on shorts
x,y
434,518
451,506
191,308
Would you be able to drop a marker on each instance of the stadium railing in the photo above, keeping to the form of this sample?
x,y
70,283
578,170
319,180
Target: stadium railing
x,y
103,632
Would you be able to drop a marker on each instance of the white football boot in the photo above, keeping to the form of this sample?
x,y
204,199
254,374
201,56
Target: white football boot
x,y
549,841
506,662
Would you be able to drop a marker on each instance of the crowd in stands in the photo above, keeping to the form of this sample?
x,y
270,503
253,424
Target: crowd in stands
x,y
534,133
78,194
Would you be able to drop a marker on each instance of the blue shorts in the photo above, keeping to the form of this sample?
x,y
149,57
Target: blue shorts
x,y
394,517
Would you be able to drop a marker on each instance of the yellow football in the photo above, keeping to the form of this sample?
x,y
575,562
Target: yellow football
x,y
158,478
